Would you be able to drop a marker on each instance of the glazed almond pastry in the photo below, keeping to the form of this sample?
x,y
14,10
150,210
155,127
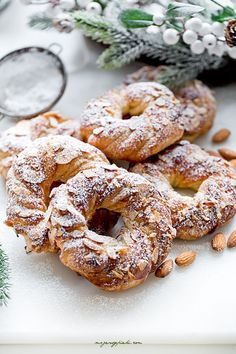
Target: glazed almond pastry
x,y
18,137
186,165
134,122
141,244
198,105
42,165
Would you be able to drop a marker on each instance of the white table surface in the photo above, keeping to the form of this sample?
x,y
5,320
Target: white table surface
x,y
51,304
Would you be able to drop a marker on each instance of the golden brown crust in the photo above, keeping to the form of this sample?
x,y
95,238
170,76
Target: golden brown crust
x,y
186,165
46,161
143,242
17,138
198,105
198,109
58,219
154,122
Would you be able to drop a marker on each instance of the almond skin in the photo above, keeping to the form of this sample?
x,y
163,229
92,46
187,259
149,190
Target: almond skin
x,y
221,135
164,269
227,154
232,240
185,258
213,153
218,242
233,163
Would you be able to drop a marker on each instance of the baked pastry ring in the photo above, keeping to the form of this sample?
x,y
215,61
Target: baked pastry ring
x,y
45,163
198,105
186,165
153,125
142,243
18,137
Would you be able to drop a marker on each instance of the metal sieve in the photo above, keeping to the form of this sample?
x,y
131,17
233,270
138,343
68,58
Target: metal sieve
x,y
33,79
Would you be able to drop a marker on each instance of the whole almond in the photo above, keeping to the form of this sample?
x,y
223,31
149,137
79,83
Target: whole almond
x,y
227,154
233,163
232,240
221,135
185,258
218,242
164,269
213,153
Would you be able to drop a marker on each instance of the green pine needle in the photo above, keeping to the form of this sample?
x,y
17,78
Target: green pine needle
x,y
4,278
40,21
126,45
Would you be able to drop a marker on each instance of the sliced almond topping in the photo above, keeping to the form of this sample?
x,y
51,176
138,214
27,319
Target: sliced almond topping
x,y
131,275
218,242
91,245
155,255
117,274
185,258
152,235
142,264
95,237
111,253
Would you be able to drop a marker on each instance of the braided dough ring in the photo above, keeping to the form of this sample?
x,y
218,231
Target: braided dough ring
x,y
153,126
142,244
198,105
35,171
186,165
17,138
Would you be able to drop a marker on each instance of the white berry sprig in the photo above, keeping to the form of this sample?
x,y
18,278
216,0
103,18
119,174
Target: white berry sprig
x,y
183,22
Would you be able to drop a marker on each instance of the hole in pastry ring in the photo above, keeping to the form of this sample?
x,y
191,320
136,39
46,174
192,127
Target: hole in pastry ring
x,y
186,165
154,122
198,105
17,138
29,181
111,263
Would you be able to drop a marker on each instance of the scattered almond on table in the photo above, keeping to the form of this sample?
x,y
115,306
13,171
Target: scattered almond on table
x,y
221,135
227,154
218,242
232,240
164,269
185,258
233,163
213,153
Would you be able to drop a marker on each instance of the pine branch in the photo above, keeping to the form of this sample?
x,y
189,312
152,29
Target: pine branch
x,y
127,45
99,28
117,56
4,278
40,21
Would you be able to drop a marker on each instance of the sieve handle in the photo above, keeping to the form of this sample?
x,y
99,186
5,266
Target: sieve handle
x,y
56,48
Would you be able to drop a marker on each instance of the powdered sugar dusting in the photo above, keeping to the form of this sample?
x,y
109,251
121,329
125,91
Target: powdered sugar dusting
x,y
112,264
198,105
153,125
46,160
188,166
17,138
